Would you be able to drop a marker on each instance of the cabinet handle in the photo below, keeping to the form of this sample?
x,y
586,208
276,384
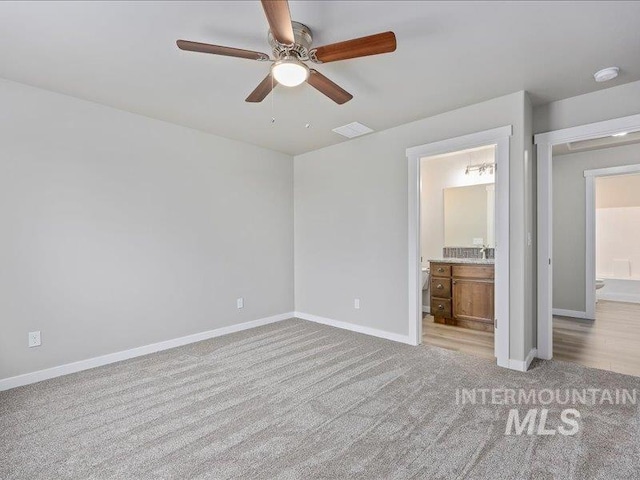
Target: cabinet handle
x,y
440,307
441,269
439,286
454,282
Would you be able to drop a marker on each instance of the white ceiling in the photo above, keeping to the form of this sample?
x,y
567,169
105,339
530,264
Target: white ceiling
x,y
450,54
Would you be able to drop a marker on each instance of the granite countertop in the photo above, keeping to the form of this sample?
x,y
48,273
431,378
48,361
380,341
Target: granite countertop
x,y
476,261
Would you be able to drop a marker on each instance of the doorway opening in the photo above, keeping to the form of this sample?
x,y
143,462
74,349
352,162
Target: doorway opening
x,y
586,190
465,284
457,239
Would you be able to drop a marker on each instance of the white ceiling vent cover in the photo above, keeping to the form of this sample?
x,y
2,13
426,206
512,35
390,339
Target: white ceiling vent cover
x,y
352,130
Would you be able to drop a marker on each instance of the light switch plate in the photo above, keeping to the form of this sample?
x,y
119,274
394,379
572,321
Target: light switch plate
x,y
240,302
356,304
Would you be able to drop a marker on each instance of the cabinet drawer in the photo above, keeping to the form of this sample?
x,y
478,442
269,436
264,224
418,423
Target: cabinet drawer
x,y
440,270
473,271
441,287
440,307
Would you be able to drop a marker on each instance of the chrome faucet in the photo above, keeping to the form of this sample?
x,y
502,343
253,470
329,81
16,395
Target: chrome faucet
x,y
483,251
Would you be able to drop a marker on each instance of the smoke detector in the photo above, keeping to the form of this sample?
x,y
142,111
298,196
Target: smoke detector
x,y
606,74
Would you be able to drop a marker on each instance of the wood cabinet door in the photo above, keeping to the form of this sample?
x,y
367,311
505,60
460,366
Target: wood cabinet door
x,y
473,300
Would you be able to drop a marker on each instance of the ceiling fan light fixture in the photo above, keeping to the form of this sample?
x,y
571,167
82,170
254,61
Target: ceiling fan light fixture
x,y
290,72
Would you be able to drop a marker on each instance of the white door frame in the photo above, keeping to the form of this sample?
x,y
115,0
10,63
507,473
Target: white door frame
x,y
545,143
590,259
500,138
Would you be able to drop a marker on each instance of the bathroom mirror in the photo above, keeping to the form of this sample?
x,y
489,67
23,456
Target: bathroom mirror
x,y
469,216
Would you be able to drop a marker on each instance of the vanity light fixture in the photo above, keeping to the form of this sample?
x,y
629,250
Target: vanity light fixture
x,y
481,168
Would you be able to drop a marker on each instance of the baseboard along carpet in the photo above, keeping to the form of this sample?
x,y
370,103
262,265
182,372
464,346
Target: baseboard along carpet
x,y
300,400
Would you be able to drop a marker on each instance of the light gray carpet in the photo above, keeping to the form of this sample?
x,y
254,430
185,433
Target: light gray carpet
x,y
301,400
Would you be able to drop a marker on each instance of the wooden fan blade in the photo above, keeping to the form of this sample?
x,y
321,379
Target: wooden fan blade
x,y
279,18
326,86
262,90
220,50
358,47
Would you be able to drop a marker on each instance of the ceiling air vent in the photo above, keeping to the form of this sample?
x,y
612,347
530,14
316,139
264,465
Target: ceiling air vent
x,y
352,130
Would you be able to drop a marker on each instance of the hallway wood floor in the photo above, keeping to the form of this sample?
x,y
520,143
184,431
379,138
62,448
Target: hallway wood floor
x,y
611,342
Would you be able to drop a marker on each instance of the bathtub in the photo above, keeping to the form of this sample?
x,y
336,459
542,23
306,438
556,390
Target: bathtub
x,y
620,290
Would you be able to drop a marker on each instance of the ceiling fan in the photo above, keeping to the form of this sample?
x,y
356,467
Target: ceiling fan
x,y
291,44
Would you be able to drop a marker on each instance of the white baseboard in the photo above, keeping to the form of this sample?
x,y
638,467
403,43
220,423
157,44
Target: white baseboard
x,y
38,376
560,312
523,365
620,297
374,332
426,309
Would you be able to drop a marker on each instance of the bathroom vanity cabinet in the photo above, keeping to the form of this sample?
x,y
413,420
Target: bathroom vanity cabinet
x,y
462,294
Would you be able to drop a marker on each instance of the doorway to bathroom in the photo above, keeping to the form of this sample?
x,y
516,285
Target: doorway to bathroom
x,y
588,294
459,244
457,237
613,235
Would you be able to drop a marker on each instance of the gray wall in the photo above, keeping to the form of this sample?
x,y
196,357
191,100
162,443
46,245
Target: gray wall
x,y
569,224
119,231
606,104
351,220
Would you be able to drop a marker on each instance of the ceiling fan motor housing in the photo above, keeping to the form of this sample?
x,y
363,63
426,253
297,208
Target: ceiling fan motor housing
x,y
303,39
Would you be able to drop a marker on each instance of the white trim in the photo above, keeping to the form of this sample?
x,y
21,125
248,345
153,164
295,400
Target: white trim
x,y
500,138
590,222
590,247
53,372
374,332
612,171
426,309
464,142
545,252
545,142
415,270
561,312
589,131
620,297
523,365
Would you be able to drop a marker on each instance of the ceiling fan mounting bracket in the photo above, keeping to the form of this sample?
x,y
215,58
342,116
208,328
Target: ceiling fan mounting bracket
x,y
301,46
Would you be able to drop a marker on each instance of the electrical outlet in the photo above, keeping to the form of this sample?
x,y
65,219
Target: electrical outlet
x,y
34,339
240,302
356,303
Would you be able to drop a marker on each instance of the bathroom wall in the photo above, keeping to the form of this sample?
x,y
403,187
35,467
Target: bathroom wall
x,y
569,212
618,227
